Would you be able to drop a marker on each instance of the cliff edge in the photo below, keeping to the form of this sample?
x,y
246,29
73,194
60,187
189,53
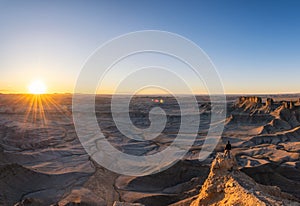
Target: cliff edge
x,y
226,185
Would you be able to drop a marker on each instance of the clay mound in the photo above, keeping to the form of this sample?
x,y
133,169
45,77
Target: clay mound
x,y
24,186
226,185
82,196
285,177
279,137
179,182
284,119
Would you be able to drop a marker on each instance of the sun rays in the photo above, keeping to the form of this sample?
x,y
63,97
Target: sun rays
x,y
41,108
35,112
36,109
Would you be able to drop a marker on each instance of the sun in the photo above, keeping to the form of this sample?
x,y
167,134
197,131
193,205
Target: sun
x,y
37,87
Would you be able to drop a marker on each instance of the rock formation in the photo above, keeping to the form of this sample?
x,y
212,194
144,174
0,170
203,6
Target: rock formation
x,y
288,104
226,185
269,102
253,99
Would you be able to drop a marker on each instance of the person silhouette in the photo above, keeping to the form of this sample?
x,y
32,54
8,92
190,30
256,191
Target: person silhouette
x,y
227,150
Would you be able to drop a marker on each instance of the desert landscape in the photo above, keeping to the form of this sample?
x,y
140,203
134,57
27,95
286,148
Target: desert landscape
x,y
149,103
43,162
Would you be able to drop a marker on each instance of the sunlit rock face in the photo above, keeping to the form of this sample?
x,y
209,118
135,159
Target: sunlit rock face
x,y
226,185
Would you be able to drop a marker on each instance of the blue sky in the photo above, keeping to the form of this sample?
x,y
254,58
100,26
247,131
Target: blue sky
x,y
255,45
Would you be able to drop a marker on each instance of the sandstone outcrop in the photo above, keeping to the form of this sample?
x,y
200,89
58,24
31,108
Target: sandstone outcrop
x,y
226,185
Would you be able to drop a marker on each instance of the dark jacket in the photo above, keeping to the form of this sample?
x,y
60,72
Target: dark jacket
x,y
228,146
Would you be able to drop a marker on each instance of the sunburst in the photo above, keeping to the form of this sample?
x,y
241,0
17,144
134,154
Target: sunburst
x,y
37,87
40,108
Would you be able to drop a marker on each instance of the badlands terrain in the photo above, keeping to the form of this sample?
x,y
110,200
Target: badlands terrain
x,y
42,161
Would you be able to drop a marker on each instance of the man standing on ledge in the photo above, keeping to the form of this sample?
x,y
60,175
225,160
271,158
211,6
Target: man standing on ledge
x,y
227,150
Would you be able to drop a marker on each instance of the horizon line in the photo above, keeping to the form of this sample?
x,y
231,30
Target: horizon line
x,y
154,94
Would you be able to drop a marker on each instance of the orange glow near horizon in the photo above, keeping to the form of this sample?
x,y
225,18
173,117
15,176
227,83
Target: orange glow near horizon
x,y
40,87
39,108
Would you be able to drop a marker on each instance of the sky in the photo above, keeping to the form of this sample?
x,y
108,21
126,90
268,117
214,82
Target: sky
x,y
254,45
